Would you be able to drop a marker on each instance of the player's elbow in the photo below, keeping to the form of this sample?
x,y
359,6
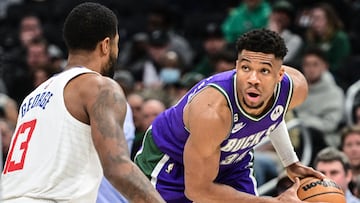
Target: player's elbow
x,y
117,170
195,192
192,194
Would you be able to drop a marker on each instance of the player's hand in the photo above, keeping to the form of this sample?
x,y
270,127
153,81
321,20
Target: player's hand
x,y
299,170
290,195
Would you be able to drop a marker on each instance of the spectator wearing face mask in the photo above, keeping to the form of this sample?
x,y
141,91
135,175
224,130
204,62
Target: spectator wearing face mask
x,y
155,70
170,72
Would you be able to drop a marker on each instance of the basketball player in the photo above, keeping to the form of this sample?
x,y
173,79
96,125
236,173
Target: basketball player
x,y
201,150
70,129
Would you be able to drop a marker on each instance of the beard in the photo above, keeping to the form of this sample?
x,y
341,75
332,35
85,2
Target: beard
x,y
109,69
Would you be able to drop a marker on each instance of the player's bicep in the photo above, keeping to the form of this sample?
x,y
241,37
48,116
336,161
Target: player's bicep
x,y
201,162
107,113
207,129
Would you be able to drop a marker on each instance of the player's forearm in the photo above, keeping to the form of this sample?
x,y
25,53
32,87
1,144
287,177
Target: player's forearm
x,y
218,193
281,141
134,185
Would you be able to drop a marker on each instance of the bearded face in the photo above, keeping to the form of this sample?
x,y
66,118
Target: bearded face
x,y
109,68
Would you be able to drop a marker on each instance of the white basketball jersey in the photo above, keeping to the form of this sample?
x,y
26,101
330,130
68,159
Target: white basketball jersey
x,y
52,155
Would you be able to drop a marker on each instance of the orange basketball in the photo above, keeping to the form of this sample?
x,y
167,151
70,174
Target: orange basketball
x,y
315,190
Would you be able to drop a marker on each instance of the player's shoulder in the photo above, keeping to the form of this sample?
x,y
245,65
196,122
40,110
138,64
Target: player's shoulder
x,y
209,100
95,80
300,86
294,74
93,84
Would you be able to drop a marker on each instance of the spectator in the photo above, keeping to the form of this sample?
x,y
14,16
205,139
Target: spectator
x,y
125,80
149,110
146,72
22,61
225,59
39,65
336,166
30,28
281,21
171,68
161,17
356,114
213,42
350,145
250,14
136,101
352,103
8,109
326,32
17,77
323,118
134,51
37,55
6,131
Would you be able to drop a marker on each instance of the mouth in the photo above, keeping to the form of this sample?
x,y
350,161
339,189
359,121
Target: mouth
x,y
253,97
253,94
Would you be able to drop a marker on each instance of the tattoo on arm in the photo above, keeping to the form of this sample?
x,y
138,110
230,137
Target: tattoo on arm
x,y
109,112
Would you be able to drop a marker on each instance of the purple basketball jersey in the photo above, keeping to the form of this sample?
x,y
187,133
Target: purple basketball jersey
x,y
169,133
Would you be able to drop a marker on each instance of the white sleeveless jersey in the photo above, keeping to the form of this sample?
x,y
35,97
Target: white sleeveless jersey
x,y
52,155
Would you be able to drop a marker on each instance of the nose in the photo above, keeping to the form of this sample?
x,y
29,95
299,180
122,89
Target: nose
x,y
253,78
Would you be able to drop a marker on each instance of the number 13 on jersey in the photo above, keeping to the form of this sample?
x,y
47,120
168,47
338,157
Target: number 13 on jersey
x,y
16,157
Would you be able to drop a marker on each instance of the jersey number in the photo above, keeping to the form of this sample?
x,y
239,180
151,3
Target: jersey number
x,y
17,153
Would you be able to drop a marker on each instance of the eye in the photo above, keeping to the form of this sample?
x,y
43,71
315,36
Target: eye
x,y
245,68
265,71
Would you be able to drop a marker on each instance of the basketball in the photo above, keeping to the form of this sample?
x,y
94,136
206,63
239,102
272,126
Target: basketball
x,y
315,190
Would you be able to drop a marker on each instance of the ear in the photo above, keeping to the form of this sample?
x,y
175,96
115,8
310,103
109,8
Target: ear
x,y
281,73
105,46
237,64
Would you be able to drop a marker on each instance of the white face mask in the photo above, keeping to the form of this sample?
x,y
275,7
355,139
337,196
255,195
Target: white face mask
x,y
169,75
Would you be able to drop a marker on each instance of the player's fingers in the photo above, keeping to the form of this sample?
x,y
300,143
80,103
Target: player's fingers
x,y
297,181
320,175
296,184
317,174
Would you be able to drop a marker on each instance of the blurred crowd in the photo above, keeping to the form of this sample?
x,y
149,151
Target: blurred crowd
x,y
166,46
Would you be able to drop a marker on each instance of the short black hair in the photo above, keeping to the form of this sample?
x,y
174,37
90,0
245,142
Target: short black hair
x,y
262,40
87,24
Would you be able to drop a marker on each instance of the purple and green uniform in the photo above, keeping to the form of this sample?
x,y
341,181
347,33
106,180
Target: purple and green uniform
x,y
161,156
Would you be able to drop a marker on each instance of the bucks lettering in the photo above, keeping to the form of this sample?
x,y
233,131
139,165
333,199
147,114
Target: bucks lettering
x,y
239,144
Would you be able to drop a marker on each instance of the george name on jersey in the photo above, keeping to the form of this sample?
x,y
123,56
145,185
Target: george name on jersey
x,y
39,100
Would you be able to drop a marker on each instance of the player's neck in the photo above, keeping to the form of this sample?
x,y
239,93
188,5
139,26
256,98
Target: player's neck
x,y
79,58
